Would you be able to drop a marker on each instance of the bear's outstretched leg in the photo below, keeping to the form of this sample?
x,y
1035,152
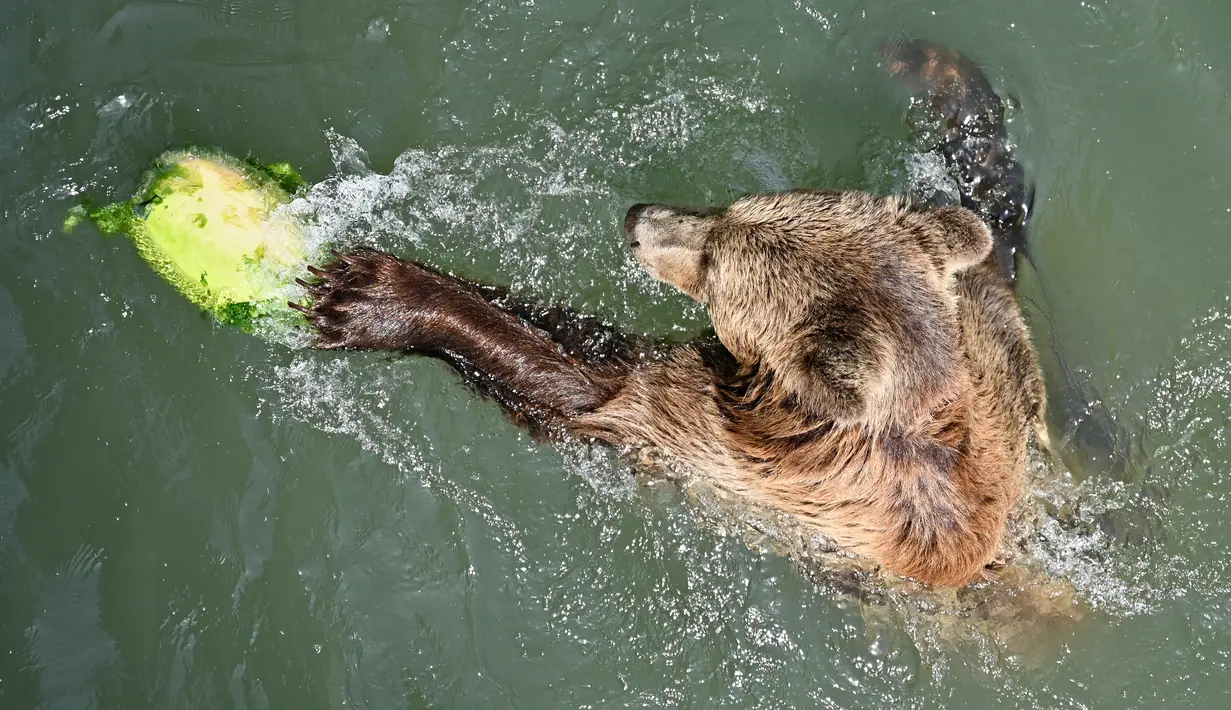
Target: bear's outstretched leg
x,y
580,335
370,300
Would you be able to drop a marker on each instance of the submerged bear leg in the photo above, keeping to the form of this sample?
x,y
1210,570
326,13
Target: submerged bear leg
x,y
972,138
974,142
371,300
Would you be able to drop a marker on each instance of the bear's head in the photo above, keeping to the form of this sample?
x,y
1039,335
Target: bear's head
x,y
844,301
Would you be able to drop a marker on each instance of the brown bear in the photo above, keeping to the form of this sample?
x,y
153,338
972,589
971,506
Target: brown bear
x,y
871,374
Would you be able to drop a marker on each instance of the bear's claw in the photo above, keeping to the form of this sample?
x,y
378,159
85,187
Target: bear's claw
x,y
354,301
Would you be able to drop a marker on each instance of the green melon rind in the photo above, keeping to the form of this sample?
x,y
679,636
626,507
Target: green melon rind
x,y
208,224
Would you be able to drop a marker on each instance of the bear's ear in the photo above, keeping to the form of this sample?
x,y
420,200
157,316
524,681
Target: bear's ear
x,y
962,239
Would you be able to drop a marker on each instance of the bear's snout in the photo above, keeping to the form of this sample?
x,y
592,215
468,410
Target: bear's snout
x,y
630,223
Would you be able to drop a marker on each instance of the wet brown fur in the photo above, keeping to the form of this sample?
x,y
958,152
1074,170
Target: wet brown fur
x,y
886,385
873,376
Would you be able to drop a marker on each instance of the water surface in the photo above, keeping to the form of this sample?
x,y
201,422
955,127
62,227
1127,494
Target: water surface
x,y
190,517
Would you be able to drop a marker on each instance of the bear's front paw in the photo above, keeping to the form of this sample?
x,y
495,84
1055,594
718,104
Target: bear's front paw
x,y
368,300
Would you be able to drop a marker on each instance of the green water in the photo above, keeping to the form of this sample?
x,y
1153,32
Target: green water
x,y
190,517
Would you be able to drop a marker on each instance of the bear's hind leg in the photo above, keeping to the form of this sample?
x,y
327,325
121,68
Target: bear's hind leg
x,y
972,140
